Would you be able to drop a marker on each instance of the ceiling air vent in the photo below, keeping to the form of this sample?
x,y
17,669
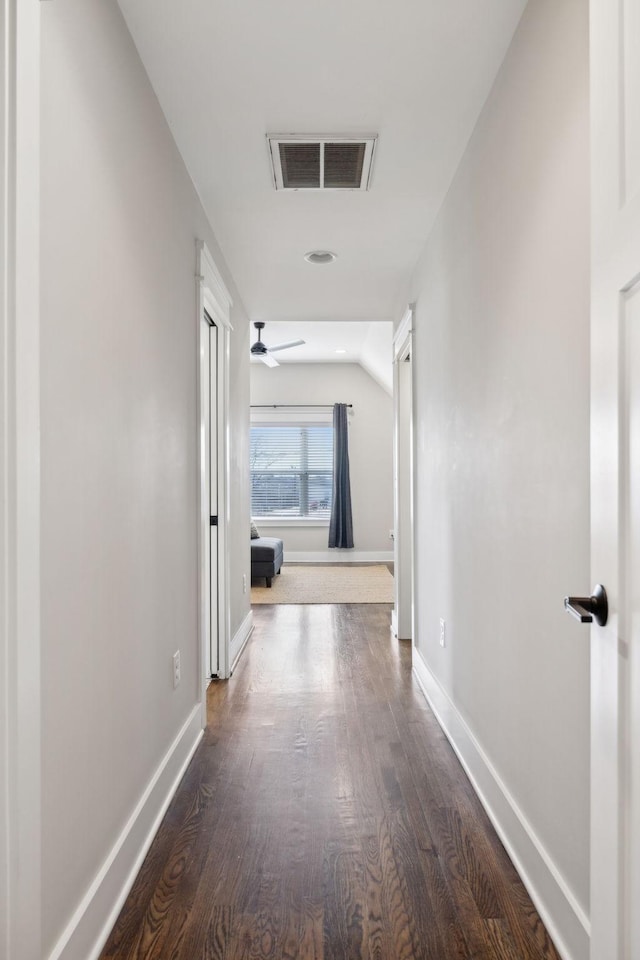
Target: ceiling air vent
x,y
304,162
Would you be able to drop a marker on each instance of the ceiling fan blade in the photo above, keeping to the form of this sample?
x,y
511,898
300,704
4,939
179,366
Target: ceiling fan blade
x,y
285,346
269,360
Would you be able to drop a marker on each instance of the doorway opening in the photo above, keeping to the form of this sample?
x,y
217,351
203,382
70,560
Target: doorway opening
x,y
402,617
292,461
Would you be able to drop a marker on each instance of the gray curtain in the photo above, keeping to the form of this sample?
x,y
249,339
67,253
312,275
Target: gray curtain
x,y
341,525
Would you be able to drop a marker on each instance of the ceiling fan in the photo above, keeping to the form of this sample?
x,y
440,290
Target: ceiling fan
x,y
263,352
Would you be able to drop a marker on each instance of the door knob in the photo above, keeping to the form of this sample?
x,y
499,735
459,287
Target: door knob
x,y
585,609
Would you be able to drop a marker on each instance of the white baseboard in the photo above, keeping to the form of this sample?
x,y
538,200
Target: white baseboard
x,y
90,925
564,918
338,556
240,639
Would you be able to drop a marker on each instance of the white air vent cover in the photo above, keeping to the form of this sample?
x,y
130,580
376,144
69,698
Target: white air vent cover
x,y
305,162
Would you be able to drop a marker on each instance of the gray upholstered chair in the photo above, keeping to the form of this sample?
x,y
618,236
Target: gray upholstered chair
x,y
266,558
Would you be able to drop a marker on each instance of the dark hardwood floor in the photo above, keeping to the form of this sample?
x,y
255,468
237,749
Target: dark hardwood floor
x,y
325,816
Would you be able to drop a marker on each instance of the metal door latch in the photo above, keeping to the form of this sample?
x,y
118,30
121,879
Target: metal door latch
x,y
585,609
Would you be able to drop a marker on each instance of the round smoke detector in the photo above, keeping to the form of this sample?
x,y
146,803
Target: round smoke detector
x,y
320,256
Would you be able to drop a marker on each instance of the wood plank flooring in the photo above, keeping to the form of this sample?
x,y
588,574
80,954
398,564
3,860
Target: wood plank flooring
x,y
325,817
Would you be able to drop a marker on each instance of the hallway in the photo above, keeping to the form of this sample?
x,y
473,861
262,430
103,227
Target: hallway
x,y
325,816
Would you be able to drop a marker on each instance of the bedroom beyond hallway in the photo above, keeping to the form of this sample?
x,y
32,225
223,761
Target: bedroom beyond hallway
x,y
311,476
325,815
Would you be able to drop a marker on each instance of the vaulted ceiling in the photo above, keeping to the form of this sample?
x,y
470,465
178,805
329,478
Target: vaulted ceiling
x,y
344,341
415,72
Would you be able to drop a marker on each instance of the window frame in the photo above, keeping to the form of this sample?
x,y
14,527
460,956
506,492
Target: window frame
x,y
288,417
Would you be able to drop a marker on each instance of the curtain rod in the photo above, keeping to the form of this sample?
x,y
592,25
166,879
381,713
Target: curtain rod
x,y
305,406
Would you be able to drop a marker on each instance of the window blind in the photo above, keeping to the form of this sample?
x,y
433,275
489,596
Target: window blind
x,y
291,470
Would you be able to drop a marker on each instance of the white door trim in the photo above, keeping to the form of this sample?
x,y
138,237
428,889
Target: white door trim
x,y
204,397
615,647
402,336
402,349
20,787
214,299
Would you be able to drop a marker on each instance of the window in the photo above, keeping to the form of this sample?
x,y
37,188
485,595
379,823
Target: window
x,y
291,470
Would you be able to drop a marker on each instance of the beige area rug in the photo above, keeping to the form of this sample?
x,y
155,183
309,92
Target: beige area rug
x,y
325,583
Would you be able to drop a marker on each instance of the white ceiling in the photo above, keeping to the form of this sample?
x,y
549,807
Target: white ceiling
x,y
369,344
416,72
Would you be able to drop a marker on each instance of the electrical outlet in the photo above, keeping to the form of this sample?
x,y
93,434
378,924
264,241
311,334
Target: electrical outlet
x,y
244,583
443,633
176,669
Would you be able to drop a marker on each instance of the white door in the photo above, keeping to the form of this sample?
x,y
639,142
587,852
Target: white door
x,y
615,479
210,460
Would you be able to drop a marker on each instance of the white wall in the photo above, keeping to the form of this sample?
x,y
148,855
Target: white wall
x,y
501,364
370,450
119,417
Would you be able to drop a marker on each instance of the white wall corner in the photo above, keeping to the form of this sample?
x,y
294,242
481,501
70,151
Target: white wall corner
x,y
240,639
566,921
92,921
376,356
386,385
